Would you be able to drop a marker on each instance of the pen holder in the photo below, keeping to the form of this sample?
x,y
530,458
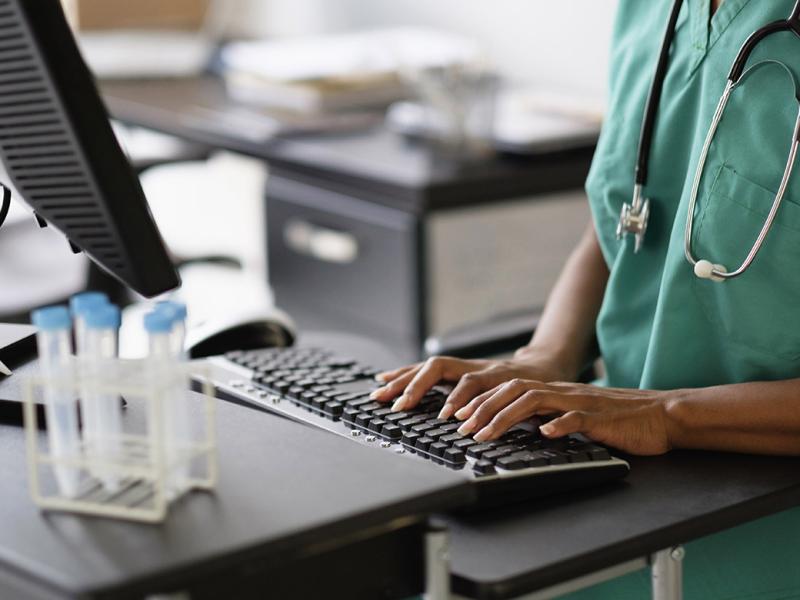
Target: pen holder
x,y
162,444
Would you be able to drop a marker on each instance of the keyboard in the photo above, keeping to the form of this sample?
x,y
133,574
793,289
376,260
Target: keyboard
x,y
317,387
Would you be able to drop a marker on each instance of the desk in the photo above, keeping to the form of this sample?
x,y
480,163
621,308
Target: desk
x,y
290,501
365,229
556,545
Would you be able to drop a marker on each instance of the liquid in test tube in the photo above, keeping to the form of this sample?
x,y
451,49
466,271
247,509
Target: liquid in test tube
x,y
61,412
102,324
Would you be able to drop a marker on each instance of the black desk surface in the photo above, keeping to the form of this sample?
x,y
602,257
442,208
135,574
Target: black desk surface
x,y
282,488
665,501
383,164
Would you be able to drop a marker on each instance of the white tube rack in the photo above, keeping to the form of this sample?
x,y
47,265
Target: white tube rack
x,y
143,474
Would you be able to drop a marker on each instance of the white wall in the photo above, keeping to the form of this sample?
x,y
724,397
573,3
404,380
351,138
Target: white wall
x,y
561,43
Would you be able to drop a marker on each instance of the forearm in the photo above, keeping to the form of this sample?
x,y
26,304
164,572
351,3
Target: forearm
x,y
757,417
567,325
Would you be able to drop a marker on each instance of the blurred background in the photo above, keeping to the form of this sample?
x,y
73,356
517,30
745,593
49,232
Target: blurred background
x,y
406,169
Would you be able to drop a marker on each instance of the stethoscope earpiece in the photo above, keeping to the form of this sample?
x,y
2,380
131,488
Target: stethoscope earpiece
x,y
705,269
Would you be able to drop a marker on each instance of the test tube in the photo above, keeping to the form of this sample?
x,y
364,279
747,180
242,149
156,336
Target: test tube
x,y
177,414
53,342
158,325
102,323
79,305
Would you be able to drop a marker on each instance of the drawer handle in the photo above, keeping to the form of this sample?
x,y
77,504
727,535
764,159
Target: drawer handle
x,y
324,244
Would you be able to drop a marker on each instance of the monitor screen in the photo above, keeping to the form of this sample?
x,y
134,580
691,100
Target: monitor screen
x,y
61,154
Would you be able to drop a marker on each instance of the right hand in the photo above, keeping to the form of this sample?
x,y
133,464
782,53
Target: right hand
x,y
472,377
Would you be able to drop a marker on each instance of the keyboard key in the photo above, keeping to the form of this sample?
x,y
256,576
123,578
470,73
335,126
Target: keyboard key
x,y
451,438
494,455
382,412
451,426
410,438
395,418
423,443
577,456
437,448
335,409
436,433
422,428
455,455
531,459
598,453
511,463
478,450
392,431
376,424
363,419
483,467
349,415
555,458
464,443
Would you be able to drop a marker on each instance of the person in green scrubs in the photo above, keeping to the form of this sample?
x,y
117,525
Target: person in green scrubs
x,y
688,362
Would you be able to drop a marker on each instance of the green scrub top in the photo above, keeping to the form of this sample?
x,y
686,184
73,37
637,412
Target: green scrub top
x,y
661,327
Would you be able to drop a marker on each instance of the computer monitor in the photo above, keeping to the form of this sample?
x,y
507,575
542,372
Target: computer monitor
x,y
60,152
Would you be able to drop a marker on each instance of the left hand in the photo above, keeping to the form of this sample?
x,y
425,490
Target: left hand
x,y
634,421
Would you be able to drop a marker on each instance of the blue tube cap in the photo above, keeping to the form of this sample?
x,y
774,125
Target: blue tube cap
x,y
106,316
177,310
52,318
157,322
80,303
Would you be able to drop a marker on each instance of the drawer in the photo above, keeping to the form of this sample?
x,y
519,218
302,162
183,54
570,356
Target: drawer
x,y
342,262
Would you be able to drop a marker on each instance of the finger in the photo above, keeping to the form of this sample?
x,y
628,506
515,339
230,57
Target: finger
x,y
468,387
387,376
467,411
394,388
575,421
503,396
432,372
526,406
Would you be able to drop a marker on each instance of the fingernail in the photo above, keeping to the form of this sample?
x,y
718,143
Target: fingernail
x,y
483,435
376,393
547,429
380,377
462,413
399,405
466,428
446,412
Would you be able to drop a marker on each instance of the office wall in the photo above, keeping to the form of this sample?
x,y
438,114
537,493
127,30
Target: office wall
x,y
555,43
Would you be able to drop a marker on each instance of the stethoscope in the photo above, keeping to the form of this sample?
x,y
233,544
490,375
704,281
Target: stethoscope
x,y
634,216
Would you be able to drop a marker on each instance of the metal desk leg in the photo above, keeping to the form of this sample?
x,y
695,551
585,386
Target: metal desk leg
x,y
437,564
667,574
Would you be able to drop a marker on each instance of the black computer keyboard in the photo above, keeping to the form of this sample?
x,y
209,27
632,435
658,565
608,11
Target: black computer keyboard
x,y
316,387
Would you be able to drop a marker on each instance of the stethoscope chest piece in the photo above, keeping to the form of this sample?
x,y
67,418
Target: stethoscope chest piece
x,y
633,218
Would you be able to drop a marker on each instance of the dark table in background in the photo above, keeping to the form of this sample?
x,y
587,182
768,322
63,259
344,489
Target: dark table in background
x,y
370,190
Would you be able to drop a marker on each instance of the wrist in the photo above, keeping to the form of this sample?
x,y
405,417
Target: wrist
x,y
677,422
546,361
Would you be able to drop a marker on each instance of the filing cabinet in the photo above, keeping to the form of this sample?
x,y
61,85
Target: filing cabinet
x,y
371,234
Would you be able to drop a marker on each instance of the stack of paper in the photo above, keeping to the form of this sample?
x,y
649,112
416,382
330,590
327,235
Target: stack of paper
x,y
334,72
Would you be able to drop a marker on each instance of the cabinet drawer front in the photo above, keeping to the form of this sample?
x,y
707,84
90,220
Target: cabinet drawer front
x,y
341,259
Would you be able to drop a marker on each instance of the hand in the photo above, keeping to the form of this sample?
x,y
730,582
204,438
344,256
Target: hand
x,y
472,377
634,421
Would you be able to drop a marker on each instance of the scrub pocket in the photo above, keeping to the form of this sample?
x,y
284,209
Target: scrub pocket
x,y
760,309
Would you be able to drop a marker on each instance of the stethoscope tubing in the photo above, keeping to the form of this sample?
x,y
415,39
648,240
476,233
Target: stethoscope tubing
x,y
737,74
